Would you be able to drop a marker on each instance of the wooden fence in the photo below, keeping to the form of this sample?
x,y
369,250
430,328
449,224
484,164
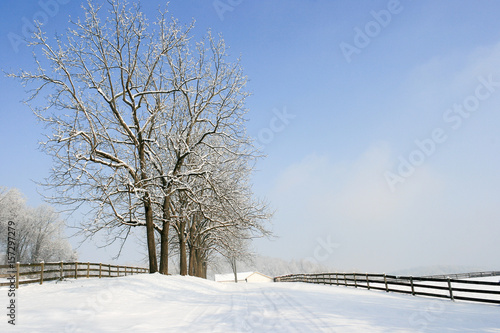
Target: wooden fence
x,y
442,287
42,272
465,275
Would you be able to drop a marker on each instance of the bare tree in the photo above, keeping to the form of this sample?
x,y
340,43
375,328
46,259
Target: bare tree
x,y
135,113
235,250
103,85
223,215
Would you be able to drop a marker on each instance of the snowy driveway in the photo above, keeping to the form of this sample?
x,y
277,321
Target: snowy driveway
x,y
155,303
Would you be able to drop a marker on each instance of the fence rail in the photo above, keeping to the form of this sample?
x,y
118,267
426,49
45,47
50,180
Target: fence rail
x,y
465,275
442,287
42,272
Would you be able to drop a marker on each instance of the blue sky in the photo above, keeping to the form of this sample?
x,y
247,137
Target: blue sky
x,y
389,110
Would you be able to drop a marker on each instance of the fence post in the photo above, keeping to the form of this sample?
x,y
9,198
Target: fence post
x,y
412,287
451,290
61,270
385,281
118,270
42,264
100,270
17,275
355,282
367,282
76,270
109,269
125,270
345,280
88,270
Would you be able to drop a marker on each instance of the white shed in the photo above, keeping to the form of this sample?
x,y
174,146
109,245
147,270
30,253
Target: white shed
x,y
254,277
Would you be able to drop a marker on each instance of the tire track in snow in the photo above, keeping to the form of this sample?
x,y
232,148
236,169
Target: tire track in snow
x,y
200,313
253,312
240,311
314,324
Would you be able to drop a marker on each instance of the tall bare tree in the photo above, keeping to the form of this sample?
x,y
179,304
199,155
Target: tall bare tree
x,y
135,113
103,85
222,213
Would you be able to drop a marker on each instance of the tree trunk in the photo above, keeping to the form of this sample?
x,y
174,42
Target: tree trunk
x,y
204,272
235,269
150,234
164,248
193,252
164,236
200,262
192,261
182,249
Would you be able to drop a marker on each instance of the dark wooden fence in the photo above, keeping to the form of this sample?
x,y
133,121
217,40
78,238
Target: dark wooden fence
x,y
42,272
465,275
442,287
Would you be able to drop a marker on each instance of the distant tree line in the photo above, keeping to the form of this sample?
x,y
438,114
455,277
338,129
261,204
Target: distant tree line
x,y
39,231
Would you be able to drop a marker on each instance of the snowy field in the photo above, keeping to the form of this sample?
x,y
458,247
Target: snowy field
x,y
156,303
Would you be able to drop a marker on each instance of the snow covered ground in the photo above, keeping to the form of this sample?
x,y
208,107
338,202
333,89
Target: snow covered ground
x,y
156,303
